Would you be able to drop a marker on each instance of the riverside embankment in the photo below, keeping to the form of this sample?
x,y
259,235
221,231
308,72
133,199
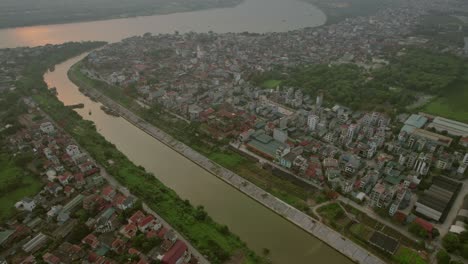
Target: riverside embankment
x,y
345,246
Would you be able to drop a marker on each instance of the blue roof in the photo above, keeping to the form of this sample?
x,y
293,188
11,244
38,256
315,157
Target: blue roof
x,y
415,120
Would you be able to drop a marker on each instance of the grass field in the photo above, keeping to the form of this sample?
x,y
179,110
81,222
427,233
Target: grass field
x,y
270,84
26,185
405,255
453,103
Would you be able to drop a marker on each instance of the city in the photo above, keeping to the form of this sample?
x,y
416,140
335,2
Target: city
x,y
378,175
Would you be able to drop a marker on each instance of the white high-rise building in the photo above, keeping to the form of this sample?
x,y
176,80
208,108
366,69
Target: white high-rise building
x,y
351,130
319,100
312,122
465,159
422,164
280,135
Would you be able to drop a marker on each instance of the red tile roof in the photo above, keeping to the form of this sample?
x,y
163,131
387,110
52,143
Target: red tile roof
x,y
50,258
107,191
133,251
151,234
136,217
145,221
175,253
424,224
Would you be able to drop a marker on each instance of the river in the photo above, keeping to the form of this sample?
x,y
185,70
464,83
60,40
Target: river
x,y
256,225
252,15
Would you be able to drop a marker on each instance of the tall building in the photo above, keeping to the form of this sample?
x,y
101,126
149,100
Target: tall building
x,y
351,131
465,159
422,164
312,122
280,135
319,100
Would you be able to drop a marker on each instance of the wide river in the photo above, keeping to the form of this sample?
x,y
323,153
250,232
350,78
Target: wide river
x,y
256,225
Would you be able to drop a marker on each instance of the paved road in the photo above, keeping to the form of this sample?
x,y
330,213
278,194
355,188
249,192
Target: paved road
x,y
376,217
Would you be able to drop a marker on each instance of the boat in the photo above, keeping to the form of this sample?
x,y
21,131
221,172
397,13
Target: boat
x,y
109,111
75,106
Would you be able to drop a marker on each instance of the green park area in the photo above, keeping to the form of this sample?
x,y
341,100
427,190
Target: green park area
x,y
271,84
15,184
453,102
339,10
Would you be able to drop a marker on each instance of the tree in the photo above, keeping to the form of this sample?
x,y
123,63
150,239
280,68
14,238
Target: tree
x,y
200,213
418,230
463,237
451,242
464,251
443,257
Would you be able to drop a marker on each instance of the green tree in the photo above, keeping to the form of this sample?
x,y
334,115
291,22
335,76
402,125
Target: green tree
x,y
451,242
464,251
443,257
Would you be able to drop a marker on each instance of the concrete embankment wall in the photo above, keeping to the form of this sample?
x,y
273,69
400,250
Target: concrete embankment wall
x,y
302,220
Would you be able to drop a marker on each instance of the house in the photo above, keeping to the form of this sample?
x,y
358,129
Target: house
x,y
136,217
118,246
68,190
104,222
65,178
54,188
91,240
428,227
35,243
86,167
108,193
72,150
26,204
5,236
47,128
176,254
79,180
51,258
124,202
147,223
129,230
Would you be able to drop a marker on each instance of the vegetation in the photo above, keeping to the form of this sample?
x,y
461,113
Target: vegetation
x,y
15,183
271,84
444,29
451,242
338,10
406,255
210,238
16,180
418,230
452,102
417,71
456,244
443,257
332,212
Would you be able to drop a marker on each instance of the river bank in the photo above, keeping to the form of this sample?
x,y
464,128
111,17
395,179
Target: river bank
x,y
305,222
